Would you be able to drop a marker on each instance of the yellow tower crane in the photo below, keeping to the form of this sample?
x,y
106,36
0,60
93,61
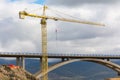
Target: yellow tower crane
x,y
44,17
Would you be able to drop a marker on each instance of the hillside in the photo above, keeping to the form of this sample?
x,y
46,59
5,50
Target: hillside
x,y
82,71
14,73
74,71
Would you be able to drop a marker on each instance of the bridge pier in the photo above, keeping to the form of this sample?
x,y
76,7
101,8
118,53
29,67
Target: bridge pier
x,y
40,62
65,59
20,61
23,62
108,59
118,74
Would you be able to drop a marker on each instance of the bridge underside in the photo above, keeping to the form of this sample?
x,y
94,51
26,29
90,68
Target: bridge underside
x,y
108,64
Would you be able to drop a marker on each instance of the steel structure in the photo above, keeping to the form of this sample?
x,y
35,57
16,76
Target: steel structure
x,y
44,17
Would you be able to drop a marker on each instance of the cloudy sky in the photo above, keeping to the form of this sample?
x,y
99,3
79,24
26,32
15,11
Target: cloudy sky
x,y
18,35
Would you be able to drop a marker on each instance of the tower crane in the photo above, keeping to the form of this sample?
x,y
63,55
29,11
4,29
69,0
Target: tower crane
x,y
44,17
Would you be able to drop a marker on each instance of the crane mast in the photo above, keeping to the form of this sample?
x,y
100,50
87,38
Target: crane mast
x,y
44,60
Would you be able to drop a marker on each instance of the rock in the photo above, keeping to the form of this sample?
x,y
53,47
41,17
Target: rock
x,y
8,73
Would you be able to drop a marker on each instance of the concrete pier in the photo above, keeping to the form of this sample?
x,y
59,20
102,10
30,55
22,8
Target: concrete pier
x,y
20,61
23,62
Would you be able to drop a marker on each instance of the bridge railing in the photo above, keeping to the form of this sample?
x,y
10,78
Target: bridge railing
x,y
60,54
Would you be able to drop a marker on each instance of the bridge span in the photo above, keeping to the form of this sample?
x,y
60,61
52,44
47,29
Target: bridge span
x,y
60,55
108,64
102,59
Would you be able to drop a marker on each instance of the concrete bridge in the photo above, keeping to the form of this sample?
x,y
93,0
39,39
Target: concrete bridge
x,y
103,59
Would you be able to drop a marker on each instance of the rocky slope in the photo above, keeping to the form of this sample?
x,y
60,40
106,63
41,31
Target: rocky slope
x,y
14,73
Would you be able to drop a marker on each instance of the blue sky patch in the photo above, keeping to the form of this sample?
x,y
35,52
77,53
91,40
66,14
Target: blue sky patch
x,y
42,2
12,0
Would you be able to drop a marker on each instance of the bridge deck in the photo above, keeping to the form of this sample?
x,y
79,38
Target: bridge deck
x,y
60,55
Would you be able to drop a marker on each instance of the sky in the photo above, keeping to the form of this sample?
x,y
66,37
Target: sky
x,y
18,35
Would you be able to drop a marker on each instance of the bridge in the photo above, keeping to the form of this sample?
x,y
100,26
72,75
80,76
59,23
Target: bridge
x,y
60,55
103,59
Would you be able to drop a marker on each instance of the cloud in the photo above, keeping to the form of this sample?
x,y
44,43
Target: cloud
x,y
20,46
25,35
79,2
15,34
21,0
